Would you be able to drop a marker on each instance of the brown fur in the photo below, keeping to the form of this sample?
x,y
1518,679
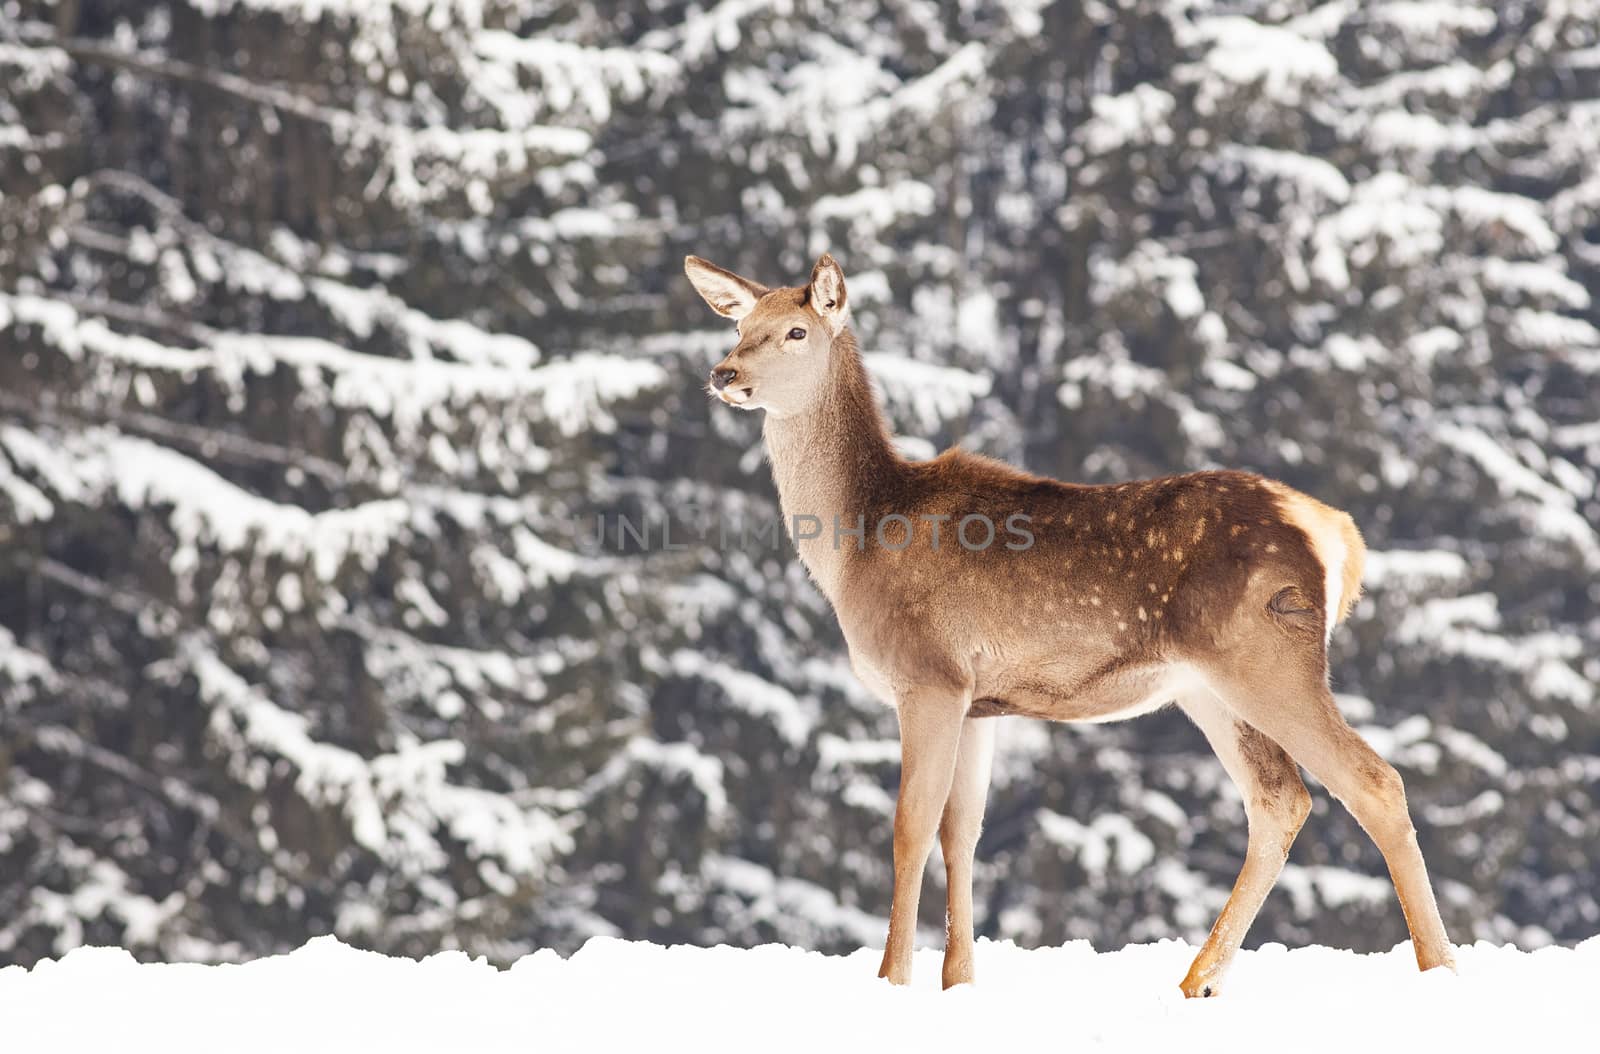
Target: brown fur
x,y
1210,590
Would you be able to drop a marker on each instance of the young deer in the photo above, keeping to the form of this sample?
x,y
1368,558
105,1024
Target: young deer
x,y
1214,590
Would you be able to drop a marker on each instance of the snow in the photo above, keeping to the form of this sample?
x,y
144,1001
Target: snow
x,y
572,392
1552,510
1428,18
1470,626
1544,279
1302,170
1285,64
786,902
63,327
1274,240
22,667
1548,331
362,309
1109,837
1453,81
1112,371
837,102
1399,132
205,508
702,770
793,717
834,751
925,392
871,210
396,803
617,995
569,74
1138,116
1412,568
1331,887
1151,267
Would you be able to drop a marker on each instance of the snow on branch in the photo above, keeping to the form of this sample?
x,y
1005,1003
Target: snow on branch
x,y
794,717
1109,839
1112,370
186,251
1413,569
28,504
362,311
467,154
1549,509
23,672
871,211
1311,177
1470,627
1392,220
573,393
202,507
397,804
1134,118
796,909
76,336
704,32
1243,52
568,75
840,100
1452,82
1151,268
926,393
100,889
673,761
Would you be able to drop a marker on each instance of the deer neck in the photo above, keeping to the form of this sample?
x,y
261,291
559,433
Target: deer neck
x,y
834,464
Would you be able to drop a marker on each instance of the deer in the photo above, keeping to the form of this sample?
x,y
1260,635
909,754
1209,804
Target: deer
x,y
1214,591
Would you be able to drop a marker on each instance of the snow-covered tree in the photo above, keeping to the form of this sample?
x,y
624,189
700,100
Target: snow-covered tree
x,y
329,329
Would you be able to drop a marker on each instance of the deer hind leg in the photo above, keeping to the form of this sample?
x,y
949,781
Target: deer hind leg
x,y
958,840
1292,705
930,736
1275,802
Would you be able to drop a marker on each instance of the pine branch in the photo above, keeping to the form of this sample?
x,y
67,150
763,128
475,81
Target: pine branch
x,y
207,442
346,125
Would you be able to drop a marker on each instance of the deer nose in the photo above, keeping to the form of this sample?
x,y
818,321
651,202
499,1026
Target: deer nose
x,y
720,379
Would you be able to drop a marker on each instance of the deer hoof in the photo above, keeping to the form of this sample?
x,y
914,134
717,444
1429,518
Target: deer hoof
x,y
894,972
954,975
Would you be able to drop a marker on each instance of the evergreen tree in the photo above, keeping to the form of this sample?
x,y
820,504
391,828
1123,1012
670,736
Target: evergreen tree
x,y
328,332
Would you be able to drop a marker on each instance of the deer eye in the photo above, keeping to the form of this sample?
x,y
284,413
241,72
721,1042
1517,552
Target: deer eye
x,y
797,334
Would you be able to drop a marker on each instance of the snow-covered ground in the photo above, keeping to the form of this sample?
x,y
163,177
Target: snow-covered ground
x,y
615,995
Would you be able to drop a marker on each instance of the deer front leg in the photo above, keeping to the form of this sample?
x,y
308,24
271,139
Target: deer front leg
x,y
958,840
930,735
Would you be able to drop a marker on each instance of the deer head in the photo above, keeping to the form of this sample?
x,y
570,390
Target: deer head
x,y
785,335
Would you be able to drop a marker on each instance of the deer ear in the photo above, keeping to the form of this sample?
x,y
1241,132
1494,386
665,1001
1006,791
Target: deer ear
x,y
827,293
729,295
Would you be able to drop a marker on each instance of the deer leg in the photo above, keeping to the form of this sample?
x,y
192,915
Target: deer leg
x,y
1302,717
1276,803
930,735
958,841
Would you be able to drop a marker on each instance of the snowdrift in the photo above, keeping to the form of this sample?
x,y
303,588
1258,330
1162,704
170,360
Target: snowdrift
x,y
616,995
